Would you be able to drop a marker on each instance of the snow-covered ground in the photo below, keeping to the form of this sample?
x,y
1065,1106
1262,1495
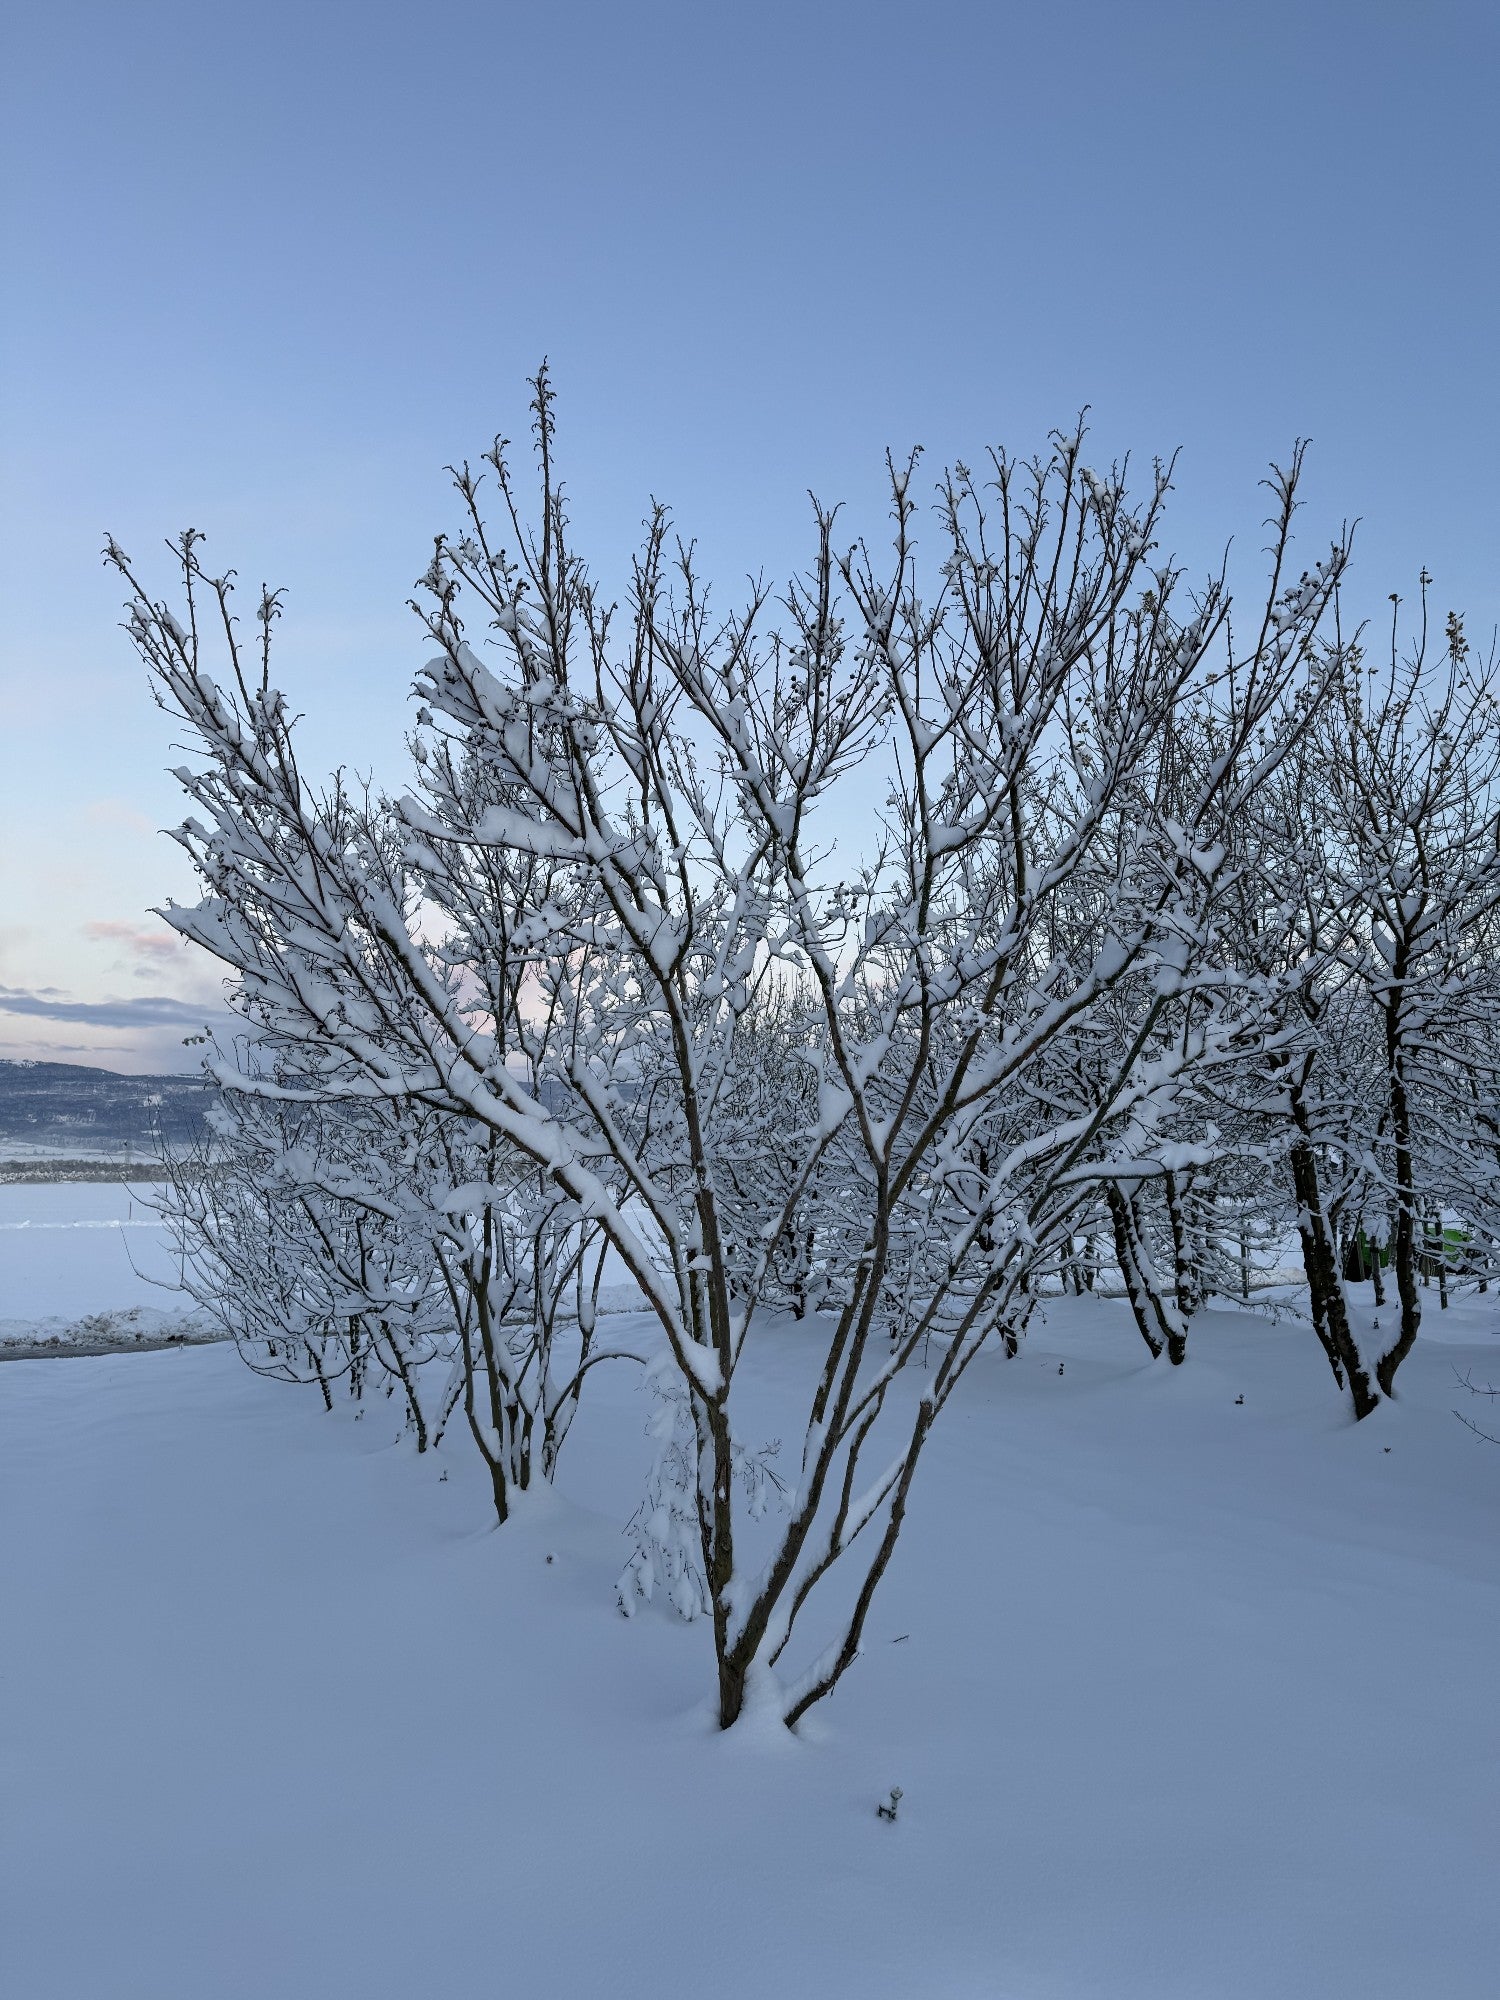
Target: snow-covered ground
x,y
46,1155
1186,1697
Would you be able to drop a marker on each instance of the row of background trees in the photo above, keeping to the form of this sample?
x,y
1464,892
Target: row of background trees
x,y
1174,941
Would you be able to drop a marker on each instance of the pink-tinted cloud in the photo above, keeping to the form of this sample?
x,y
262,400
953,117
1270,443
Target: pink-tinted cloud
x,y
150,943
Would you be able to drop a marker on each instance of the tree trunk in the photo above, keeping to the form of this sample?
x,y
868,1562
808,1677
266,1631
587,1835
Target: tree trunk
x,y
1404,1248
1129,1273
413,1402
1161,1326
1330,1312
1355,1257
1184,1250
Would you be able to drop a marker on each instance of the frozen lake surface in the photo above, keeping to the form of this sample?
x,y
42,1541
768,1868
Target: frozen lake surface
x,y
74,1247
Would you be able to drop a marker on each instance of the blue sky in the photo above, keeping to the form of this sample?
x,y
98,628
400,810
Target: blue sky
x,y
268,268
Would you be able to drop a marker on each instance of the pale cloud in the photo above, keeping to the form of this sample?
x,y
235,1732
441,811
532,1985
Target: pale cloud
x,y
119,814
149,943
17,940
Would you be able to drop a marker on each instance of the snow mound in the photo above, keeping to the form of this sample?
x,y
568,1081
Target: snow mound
x,y
123,1330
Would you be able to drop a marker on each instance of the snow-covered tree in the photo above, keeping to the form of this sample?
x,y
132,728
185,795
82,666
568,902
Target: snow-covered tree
x,y
340,1240
631,923
1413,768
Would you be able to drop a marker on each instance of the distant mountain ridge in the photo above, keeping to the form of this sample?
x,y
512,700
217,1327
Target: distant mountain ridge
x,y
70,1109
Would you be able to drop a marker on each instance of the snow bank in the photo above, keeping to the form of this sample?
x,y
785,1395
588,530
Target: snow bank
x,y
126,1330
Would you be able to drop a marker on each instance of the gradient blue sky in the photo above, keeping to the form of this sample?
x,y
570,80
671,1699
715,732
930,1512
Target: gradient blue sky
x,y
267,268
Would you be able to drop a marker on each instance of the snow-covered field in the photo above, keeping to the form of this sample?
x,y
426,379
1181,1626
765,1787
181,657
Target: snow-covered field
x,y
1186,1697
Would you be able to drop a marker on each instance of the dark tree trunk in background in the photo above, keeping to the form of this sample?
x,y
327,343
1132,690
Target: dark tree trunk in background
x,y
1330,1313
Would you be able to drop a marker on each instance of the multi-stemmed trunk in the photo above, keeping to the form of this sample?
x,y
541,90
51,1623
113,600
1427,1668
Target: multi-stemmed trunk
x,y
1162,1326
